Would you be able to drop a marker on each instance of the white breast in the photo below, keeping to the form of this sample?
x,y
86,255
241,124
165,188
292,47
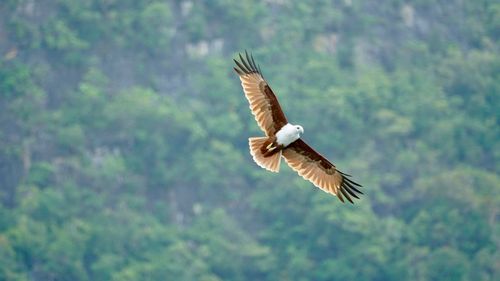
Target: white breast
x,y
287,135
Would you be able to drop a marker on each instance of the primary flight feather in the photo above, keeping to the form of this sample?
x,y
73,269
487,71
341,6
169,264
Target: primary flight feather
x,y
283,139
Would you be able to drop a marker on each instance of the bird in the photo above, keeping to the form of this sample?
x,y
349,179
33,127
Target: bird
x,y
283,139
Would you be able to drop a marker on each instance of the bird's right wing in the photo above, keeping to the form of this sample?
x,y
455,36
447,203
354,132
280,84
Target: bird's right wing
x,y
263,103
315,168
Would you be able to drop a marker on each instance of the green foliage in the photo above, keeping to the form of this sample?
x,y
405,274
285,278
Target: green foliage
x,y
124,154
155,28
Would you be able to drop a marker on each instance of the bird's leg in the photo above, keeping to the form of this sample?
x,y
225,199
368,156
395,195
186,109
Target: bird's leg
x,y
270,147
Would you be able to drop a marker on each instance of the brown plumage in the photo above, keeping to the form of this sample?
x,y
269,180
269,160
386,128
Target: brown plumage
x,y
263,103
267,151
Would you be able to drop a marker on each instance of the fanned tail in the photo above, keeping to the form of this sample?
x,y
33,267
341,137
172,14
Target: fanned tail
x,y
271,163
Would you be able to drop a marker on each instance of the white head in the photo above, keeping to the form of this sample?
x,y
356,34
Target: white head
x,y
288,134
299,129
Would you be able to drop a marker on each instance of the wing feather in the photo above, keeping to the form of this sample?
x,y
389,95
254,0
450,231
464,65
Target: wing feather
x,y
315,168
263,102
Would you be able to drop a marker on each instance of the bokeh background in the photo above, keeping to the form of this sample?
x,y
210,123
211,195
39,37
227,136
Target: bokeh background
x,y
123,140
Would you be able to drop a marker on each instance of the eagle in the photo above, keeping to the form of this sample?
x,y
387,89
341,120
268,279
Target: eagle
x,y
283,139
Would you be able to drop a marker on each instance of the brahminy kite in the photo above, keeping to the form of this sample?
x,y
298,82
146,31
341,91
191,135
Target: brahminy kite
x,y
283,139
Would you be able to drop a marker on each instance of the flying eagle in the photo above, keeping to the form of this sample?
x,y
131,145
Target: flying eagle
x,y
283,138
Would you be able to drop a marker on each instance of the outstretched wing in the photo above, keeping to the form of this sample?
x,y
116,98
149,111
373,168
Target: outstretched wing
x,y
318,170
263,103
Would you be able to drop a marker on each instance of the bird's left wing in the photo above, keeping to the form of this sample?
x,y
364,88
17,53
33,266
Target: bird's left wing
x,y
317,169
263,103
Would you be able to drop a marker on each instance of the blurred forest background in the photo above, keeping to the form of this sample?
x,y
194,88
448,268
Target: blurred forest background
x,y
123,140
